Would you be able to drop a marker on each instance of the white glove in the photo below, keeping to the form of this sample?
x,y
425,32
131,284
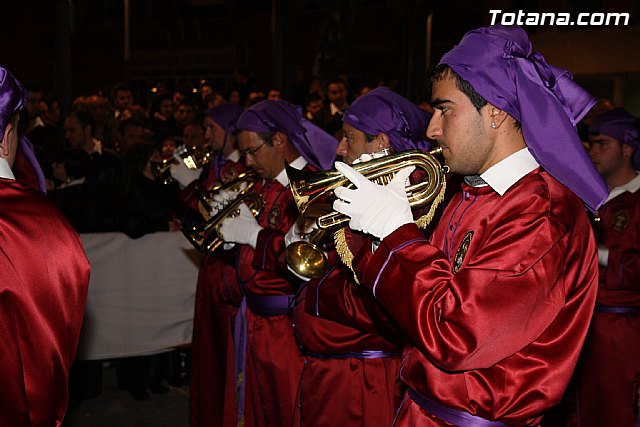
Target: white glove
x,y
375,209
603,256
181,173
222,198
295,234
241,229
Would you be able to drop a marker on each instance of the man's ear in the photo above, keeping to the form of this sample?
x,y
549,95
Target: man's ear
x,y
278,139
6,137
627,150
497,116
382,141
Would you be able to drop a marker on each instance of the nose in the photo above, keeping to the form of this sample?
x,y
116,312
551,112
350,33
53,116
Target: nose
x,y
435,126
341,150
248,160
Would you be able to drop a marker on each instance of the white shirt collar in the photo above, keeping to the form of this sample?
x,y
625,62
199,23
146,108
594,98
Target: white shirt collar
x,y
234,156
631,186
335,110
298,163
510,170
5,170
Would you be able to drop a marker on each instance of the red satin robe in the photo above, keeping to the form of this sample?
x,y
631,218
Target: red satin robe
x,y
497,305
273,362
43,290
216,304
610,364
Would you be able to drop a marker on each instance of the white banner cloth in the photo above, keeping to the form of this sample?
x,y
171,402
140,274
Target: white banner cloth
x,y
141,294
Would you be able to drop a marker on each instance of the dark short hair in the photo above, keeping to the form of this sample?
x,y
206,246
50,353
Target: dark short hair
x,y
84,118
266,137
442,71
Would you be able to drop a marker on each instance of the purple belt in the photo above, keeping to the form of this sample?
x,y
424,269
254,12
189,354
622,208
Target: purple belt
x,y
616,310
452,416
365,354
273,305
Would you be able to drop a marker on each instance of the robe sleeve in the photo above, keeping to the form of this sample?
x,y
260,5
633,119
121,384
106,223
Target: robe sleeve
x,y
502,299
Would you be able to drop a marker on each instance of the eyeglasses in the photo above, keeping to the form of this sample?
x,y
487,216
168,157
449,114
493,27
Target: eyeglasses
x,y
252,151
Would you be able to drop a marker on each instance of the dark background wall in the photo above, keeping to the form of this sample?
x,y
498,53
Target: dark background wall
x,y
78,47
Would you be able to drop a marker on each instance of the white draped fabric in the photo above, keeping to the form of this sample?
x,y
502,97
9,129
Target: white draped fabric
x,y
141,294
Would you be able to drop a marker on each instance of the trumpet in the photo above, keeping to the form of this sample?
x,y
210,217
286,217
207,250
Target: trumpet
x,y
306,257
312,191
193,158
309,188
206,197
207,237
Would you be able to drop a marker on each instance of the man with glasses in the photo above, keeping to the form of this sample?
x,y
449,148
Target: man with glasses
x,y
267,362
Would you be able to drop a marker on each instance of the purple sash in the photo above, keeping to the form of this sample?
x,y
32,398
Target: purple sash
x,y
452,416
616,310
364,354
240,359
273,305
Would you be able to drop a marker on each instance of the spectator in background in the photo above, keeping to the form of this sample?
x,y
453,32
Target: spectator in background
x,y
122,99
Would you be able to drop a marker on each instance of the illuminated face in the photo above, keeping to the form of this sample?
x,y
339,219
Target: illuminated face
x,y
607,154
133,134
275,94
166,108
123,100
337,93
263,158
73,132
214,134
459,129
353,144
314,106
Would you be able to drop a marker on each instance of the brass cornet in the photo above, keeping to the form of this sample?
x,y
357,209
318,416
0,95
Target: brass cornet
x,y
309,188
193,158
206,237
312,192
206,197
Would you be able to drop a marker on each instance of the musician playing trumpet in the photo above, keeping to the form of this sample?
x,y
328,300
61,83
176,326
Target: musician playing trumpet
x,y
352,347
216,275
496,304
267,364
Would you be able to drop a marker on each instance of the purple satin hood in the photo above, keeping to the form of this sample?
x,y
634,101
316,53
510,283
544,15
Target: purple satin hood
x,y
314,144
500,64
384,111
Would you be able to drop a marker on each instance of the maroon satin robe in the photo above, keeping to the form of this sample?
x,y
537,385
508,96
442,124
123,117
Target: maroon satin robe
x,y
497,305
216,304
43,291
610,363
273,362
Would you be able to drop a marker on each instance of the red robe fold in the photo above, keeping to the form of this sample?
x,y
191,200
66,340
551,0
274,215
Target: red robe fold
x,y
43,291
273,362
497,305
216,302
610,363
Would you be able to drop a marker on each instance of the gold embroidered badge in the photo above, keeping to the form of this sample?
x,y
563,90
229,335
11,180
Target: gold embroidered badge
x,y
274,217
462,251
620,221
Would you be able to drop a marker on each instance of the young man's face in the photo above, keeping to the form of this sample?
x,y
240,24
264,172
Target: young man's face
x,y
460,129
123,100
353,144
73,132
337,93
607,154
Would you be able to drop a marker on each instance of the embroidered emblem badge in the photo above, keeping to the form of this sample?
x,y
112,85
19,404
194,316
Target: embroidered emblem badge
x,y
274,217
462,251
620,221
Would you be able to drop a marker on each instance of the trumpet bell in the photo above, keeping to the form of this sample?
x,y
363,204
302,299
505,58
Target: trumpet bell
x,y
306,259
194,157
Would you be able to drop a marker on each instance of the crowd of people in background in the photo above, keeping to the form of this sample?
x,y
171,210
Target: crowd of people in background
x,y
100,160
